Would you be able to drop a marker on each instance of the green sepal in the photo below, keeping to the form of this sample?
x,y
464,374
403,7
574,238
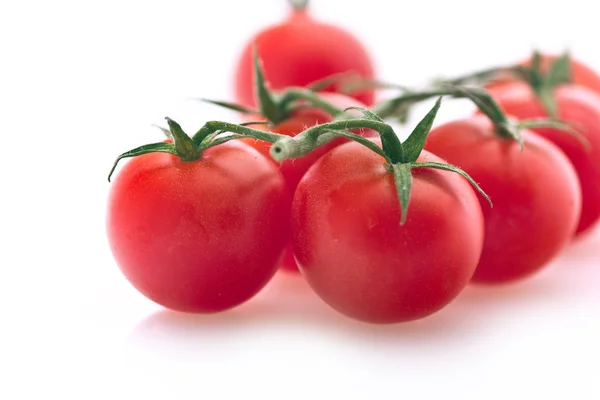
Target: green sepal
x,y
550,123
164,130
212,135
185,147
544,83
403,180
488,106
294,98
560,71
452,168
161,147
231,106
391,144
483,100
268,105
413,145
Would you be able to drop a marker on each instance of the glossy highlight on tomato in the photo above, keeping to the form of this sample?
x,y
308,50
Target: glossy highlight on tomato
x,y
199,236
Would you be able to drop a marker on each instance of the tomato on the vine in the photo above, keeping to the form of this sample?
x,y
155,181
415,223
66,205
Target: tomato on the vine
x,y
289,112
293,170
535,191
381,236
580,108
543,90
301,51
198,230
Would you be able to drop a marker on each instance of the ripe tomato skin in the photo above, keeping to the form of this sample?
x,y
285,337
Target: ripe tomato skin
x,y
300,51
579,107
294,169
354,253
535,194
201,236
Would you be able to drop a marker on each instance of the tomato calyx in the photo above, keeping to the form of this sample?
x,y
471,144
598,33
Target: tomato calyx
x,y
184,146
188,149
400,157
277,107
542,82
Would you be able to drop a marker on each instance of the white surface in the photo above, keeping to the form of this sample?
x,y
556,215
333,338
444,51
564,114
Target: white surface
x,y
81,82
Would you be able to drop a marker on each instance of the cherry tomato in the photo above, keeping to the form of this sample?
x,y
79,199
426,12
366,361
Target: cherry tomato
x,y
579,107
199,236
535,193
581,74
300,51
293,170
353,251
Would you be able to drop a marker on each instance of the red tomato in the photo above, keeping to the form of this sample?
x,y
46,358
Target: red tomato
x,y
535,193
354,253
581,74
300,51
199,236
579,107
294,169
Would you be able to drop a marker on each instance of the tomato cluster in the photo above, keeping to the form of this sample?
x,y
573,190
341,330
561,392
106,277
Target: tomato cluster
x,y
314,181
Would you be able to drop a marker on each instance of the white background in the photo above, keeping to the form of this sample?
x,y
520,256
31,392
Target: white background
x,y
81,81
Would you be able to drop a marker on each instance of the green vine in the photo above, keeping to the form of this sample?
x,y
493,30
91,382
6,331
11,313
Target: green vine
x,y
401,158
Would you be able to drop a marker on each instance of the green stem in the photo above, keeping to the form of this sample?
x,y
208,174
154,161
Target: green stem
x,y
301,94
545,123
214,126
358,83
307,141
225,139
478,78
389,107
479,96
299,5
400,106
328,81
400,158
542,80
